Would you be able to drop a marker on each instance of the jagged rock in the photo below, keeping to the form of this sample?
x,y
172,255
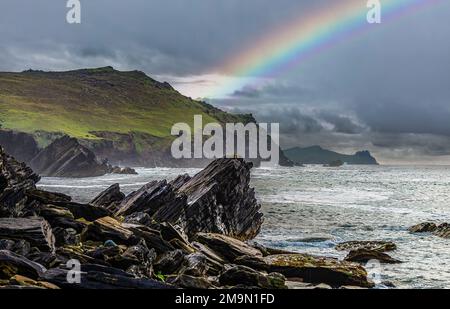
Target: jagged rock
x,y
110,198
226,247
318,269
196,264
98,277
169,263
243,275
219,200
380,246
15,180
35,230
13,264
148,199
84,211
426,227
364,255
108,228
65,157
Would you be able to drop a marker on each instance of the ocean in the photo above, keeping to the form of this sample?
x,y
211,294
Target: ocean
x,y
311,209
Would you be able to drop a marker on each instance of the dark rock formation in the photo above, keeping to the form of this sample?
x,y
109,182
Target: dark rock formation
x,y
34,230
379,246
153,238
318,155
440,230
65,157
122,170
426,227
110,198
21,146
15,179
364,255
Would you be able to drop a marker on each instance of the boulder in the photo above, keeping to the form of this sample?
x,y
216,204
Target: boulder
x,y
12,264
313,269
365,255
35,230
443,230
190,282
380,246
66,157
226,247
243,275
110,198
123,170
169,263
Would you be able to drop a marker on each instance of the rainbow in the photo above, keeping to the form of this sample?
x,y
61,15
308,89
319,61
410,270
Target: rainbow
x,y
297,40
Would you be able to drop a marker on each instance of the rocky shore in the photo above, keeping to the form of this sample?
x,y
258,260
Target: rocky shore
x,y
192,232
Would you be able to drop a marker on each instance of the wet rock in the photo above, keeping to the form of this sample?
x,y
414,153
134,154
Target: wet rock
x,y
226,247
318,269
65,157
110,198
34,230
426,227
364,255
380,246
243,275
12,264
15,180
108,228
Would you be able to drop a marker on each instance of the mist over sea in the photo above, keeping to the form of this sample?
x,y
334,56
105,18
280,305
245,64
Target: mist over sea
x,y
311,209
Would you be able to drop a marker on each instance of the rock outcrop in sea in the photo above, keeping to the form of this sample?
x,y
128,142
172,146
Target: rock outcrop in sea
x,y
192,232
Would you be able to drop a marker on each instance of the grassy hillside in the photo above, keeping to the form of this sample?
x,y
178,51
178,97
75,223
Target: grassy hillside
x,y
78,103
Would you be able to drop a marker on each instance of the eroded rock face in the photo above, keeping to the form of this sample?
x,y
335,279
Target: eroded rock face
x,y
65,157
15,179
110,198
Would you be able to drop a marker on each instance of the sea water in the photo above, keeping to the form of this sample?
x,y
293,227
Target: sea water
x,y
311,209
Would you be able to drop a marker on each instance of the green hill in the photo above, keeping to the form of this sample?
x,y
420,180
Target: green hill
x,y
123,116
318,155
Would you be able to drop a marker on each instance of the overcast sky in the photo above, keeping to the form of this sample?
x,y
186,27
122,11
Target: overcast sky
x,y
387,90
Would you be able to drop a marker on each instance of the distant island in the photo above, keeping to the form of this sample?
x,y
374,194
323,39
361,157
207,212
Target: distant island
x,y
318,155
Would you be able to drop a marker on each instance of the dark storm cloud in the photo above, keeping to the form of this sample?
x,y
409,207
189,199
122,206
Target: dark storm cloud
x,y
387,90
